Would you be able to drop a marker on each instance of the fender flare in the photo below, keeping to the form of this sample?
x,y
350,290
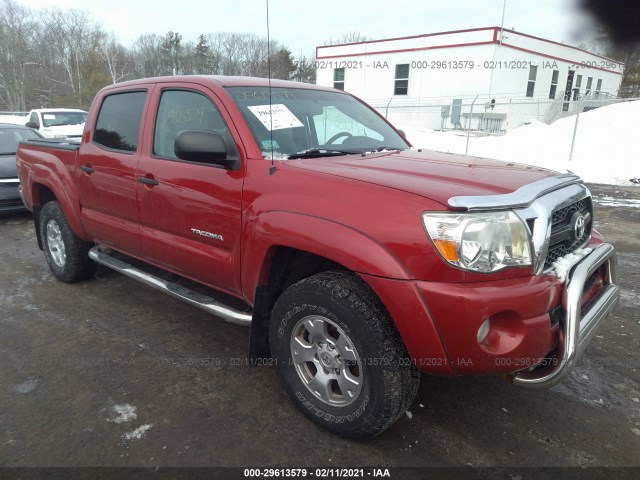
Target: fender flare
x,y
64,189
335,241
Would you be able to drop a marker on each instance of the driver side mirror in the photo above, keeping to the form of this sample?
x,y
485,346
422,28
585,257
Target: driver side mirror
x,y
204,146
34,125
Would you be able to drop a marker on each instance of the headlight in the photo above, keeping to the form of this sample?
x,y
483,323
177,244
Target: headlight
x,y
482,242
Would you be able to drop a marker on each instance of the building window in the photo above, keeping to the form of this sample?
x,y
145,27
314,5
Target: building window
x,y
554,84
589,82
531,84
576,90
401,86
338,78
599,86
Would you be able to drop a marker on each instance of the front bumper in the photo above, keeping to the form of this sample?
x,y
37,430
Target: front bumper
x,y
578,326
538,325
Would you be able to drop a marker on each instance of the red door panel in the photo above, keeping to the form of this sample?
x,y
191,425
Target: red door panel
x,y
191,219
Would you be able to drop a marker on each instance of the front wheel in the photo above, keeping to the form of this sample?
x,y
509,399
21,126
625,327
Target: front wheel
x,y
340,356
66,253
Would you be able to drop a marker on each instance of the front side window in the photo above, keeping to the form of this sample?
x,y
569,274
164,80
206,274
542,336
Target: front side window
x,y
531,83
599,86
183,110
118,123
338,78
401,86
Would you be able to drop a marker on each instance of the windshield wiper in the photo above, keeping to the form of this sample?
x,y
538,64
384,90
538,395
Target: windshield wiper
x,y
320,152
382,149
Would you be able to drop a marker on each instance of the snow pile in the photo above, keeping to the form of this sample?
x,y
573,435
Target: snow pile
x,y
17,119
606,150
122,413
607,201
563,265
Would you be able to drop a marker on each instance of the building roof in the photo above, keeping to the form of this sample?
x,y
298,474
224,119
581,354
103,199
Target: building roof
x,y
471,37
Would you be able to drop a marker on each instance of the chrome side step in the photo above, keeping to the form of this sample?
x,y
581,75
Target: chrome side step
x,y
194,298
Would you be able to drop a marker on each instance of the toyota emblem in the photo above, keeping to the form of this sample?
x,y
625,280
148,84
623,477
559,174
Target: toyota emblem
x,y
578,225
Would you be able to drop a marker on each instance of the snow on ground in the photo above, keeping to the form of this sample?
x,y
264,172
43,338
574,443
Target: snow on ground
x,y
138,433
17,119
122,413
607,148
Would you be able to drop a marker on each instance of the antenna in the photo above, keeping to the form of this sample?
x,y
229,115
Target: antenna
x,y
272,170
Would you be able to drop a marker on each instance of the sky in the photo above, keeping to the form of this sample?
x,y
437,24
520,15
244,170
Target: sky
x,y
302,25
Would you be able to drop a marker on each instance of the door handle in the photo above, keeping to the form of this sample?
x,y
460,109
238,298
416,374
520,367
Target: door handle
x,y
87,169
147,181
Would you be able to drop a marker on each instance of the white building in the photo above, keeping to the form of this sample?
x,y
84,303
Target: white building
x,y
516,76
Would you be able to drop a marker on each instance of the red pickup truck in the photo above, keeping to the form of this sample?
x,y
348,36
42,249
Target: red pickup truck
x,y
356,260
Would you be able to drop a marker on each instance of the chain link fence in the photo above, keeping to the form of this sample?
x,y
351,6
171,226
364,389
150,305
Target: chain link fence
x,y
482,116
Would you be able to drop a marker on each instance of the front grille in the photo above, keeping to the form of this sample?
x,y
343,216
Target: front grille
x,y
563,230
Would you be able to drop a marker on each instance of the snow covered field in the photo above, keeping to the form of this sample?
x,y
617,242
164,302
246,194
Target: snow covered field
x,y
607,148
20,120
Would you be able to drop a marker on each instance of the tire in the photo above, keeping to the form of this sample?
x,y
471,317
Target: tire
x,y
339,355
66,253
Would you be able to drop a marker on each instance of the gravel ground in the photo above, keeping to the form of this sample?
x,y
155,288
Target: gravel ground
x,y
111,373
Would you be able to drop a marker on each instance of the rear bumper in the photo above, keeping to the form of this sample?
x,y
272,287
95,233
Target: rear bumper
x,y
578,326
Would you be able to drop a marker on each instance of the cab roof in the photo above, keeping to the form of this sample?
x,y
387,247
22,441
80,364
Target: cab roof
x,y
221,80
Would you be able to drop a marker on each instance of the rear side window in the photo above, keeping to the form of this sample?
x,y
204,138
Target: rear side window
x,y
118,122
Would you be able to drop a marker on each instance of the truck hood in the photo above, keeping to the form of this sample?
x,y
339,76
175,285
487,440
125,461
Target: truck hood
x,y
66,130
434,175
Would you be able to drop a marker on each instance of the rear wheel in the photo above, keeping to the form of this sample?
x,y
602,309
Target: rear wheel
x,y
66,253
340,356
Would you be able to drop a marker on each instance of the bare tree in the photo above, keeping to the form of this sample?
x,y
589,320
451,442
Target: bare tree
x,y
17,27
72,39
147,56
60,57
349,37
116,58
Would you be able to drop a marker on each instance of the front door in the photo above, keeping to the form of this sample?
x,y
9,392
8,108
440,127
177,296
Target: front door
x,y
190,213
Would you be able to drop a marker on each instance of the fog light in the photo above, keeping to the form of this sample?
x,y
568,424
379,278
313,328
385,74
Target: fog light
x,y
483,331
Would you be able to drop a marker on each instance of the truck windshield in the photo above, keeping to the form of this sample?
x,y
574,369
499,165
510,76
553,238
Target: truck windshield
x,y
311,123
54,119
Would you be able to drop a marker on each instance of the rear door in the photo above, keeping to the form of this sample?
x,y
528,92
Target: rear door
x,y
190,212
108,158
